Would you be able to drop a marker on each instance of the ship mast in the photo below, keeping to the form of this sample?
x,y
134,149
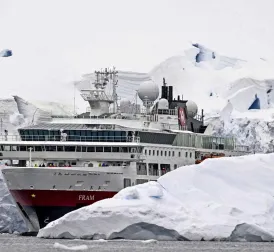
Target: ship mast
x,y
98,100
114,77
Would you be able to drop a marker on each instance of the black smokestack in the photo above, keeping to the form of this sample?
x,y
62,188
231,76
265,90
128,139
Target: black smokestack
x,y
170,93
164,90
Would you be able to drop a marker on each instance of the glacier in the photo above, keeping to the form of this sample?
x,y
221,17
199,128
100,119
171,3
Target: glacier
x,y
230,198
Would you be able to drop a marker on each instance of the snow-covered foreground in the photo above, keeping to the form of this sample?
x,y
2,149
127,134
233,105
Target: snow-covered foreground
x,y
205,201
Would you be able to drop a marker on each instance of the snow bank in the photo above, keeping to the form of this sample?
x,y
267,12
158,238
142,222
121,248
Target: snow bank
x,y
205,201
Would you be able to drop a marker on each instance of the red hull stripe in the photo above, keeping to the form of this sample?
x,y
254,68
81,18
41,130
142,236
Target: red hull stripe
x,y
59,198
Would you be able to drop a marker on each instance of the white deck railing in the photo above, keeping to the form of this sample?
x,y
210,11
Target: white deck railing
x,y
71,138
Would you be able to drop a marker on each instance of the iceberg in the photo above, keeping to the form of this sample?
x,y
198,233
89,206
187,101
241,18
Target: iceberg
x,y
6,53
208,201
11,220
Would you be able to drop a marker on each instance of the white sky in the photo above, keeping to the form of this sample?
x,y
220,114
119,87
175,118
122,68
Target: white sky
x,y
55,41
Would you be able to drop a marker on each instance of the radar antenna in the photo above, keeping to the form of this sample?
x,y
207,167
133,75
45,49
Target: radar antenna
x,y
114,78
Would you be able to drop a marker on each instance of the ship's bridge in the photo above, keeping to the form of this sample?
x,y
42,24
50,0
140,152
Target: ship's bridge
x,y
78,132
117,133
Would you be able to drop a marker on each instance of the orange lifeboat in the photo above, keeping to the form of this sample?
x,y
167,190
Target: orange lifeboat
x,y
212,155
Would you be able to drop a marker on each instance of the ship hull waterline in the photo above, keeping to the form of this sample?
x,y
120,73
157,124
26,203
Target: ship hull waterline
x,y
39,207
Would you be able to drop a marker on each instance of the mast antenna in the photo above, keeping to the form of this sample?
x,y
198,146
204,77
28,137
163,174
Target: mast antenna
x,y
74,104
136,101
115,84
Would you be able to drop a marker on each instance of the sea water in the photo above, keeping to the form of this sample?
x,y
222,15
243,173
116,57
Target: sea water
x,y
15,243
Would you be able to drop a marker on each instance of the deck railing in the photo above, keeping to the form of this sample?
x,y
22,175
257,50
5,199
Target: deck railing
x,y
75,138
70,138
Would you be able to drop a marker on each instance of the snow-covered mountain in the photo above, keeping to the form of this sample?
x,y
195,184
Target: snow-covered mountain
x,y
16,112
39,111
206,77
211,79
202,73
9,115
215,82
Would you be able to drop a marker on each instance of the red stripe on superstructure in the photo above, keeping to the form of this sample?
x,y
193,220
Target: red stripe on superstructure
x,y
59,198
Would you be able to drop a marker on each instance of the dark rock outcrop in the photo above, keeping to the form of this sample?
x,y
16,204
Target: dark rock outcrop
x,y
250,233
146,231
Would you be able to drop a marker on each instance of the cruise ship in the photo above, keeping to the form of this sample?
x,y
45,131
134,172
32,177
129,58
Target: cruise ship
x,y
62,164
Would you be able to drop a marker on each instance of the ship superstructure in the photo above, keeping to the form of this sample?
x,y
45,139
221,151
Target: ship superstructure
x,y
65,163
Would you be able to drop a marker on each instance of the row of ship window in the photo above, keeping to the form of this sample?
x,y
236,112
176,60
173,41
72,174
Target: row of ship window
x,y
166,153
68,148
163,153
74,135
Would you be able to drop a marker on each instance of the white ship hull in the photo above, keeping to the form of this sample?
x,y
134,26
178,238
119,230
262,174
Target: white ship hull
x,y
44,194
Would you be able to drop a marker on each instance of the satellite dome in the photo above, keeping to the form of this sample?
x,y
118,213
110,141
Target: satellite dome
x,y
124,101
163,104
192,108
148,90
